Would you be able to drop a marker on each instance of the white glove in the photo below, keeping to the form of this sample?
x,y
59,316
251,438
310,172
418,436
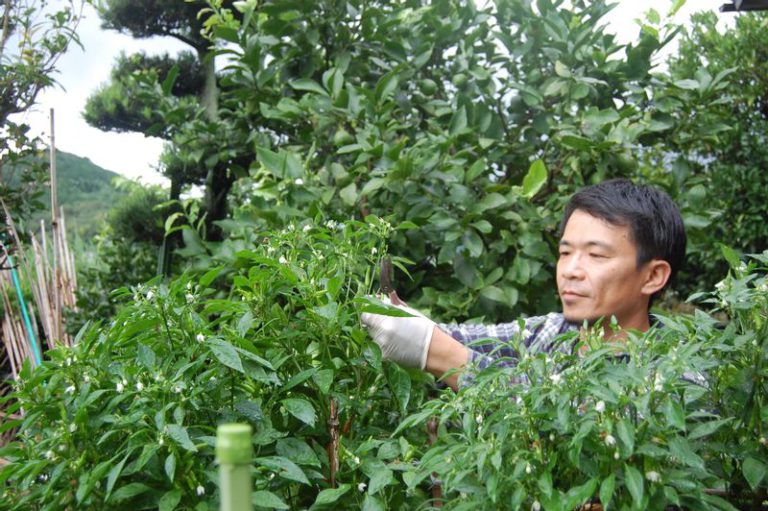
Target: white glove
x,y
404,340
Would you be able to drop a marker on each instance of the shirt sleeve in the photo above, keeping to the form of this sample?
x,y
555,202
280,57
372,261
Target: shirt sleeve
x,y
489,344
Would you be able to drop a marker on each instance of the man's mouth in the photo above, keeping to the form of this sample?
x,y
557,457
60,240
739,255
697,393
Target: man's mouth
x,y
571,294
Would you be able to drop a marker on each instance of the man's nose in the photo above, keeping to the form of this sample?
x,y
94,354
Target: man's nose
x,y
571,267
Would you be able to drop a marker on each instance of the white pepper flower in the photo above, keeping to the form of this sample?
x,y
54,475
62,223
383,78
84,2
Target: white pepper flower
x,y
616,455
298,181
49,454
69,361
72,427
479,418
356,460
200,337
763,440
190,297
600,406
556,378
120,387
86,378
361,487
70,389
610,441
528,468
283,260
536,506
200,490
139,386
150,294
307,228
653,476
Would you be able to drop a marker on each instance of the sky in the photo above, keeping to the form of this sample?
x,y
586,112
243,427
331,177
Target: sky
x,y
134,156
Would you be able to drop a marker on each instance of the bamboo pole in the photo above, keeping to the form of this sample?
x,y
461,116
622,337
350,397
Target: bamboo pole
x,y
55,271
233,452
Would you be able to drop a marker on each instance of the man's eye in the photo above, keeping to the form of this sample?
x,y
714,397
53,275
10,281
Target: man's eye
x,y
598,256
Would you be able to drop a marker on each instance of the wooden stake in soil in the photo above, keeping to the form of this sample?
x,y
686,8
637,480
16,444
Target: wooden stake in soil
x,y
333,446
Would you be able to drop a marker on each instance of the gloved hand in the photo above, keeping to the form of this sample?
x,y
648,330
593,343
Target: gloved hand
x,y
404,340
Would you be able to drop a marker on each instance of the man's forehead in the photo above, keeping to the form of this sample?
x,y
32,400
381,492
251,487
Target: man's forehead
x,y
584,229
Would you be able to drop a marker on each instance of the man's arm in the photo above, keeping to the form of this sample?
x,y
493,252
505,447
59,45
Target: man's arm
x,y
446,354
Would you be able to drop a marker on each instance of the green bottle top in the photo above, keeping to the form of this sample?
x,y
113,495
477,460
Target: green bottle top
x,y
233,444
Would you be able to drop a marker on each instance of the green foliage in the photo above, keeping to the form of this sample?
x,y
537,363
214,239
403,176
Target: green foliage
x,y
271,336
118,106
32,40
126,418
669,419
725,156
434,114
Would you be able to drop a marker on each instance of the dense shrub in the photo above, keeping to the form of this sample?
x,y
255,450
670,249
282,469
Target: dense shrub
x,y
271,336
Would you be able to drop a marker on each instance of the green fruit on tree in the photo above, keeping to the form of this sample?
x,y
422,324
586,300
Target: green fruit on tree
x,y
428,86
459,80
342,137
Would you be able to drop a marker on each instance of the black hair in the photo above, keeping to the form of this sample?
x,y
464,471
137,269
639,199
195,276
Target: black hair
x,y
655,224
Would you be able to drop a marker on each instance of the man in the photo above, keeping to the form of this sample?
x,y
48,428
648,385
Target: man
x,y
620,245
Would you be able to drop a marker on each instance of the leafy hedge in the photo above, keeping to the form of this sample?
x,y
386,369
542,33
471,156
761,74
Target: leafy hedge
x,y
271,336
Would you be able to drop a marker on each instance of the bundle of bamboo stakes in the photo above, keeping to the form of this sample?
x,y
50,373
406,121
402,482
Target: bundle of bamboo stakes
x,y
50,277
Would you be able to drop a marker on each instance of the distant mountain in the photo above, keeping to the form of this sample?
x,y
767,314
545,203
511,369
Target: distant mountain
x,y
86,192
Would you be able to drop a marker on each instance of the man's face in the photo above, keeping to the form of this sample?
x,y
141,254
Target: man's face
x,y
597,273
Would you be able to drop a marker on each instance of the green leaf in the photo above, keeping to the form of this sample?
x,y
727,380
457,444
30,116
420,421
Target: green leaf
x,y
578,495
674,413
606,490
730,255
707,428
251,409
386,86
633,479
534,179
128,491
754,471
226,354
170,79
626,433
170,466
681,449
210,276
687,84
493,293
114,473
180,435
331,495
297,451
458,121
371,503
263,498
308,85
301,409
169,500
491,201
349,194
323,379
576,142
284,468
400,384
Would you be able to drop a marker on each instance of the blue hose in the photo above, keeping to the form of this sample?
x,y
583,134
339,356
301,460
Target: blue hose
x,y
23,306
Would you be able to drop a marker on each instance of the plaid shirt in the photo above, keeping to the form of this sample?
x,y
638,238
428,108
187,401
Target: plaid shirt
x,y
487,343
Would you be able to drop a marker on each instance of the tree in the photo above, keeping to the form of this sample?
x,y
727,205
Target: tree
x,y
473,123
33,38
131,102
727,160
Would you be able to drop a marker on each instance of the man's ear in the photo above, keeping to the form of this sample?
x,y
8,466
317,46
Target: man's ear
x,y
657,273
